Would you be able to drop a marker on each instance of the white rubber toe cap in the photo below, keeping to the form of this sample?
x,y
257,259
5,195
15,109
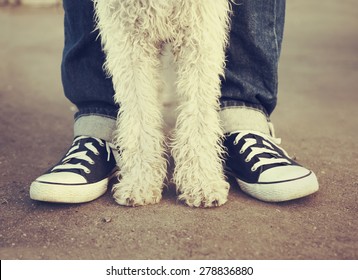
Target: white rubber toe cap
x,y
283,173
282,184
62,178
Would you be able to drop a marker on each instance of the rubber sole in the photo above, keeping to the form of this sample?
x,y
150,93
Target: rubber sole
x,y
281,191
61,193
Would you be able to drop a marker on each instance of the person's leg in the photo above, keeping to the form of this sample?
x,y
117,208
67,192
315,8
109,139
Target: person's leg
x,y
84,172
250,82
249,96
84,81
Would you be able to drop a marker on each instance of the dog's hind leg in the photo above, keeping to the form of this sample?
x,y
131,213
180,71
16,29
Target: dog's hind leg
x,y
197,148
133,63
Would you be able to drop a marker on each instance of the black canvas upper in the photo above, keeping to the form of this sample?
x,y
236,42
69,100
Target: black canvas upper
x,y
100,166
235,161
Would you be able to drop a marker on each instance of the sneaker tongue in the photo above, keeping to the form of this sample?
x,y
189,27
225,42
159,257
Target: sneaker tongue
x,y
260,144
76,161
72,170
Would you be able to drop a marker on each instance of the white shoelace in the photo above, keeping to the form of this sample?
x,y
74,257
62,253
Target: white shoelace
x,y
269,141
82,155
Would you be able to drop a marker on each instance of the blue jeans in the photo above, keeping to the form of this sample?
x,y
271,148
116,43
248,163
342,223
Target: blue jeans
x,y
249,90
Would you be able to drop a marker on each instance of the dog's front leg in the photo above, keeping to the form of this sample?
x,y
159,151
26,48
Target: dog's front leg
x,y
133,61
139,133
197,149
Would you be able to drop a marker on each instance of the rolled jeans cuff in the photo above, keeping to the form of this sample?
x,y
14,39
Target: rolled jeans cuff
x,y
244,118
98,126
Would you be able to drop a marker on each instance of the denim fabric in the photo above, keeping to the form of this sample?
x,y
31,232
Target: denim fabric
x,y
253,54
95,125
251,68
84,81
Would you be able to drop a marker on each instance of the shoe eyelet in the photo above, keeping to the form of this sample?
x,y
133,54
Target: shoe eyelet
x,y
87,171
92,162
253,169
247,160
101,144
241,151
97,153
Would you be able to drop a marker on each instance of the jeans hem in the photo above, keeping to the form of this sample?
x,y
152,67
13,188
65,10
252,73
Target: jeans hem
x,y
225,104
103,110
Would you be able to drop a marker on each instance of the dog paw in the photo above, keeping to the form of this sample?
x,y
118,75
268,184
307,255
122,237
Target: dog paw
x,y
211,196
134,196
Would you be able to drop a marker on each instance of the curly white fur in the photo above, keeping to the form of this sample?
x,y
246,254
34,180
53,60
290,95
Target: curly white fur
x,y
132,34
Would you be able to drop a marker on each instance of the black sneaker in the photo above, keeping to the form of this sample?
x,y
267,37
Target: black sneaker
x,y
264,170
81,176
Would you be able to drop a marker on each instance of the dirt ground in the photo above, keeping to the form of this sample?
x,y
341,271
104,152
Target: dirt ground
x,y
316,117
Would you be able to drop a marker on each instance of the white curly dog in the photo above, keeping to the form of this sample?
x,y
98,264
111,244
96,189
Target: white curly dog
x,y
133,33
